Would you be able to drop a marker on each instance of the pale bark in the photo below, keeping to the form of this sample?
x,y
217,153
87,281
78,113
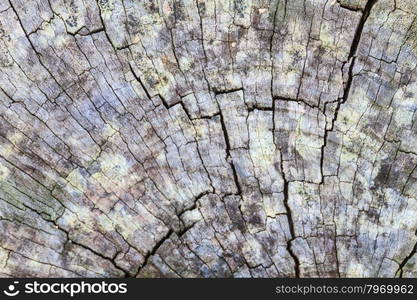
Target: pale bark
x,y
220,138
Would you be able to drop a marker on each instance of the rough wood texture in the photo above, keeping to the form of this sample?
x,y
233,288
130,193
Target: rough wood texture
x,y
192,138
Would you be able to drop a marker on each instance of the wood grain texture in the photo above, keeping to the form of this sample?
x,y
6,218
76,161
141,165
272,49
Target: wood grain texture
x,y
219,138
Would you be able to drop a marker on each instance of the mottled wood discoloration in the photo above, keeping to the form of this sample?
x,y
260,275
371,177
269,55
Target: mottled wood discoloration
x,y
221,138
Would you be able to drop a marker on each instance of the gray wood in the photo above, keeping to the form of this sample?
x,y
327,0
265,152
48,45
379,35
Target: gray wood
x,y
220,138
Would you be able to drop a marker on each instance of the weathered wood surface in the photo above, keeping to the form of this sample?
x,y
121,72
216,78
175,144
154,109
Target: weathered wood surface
x,y
243,138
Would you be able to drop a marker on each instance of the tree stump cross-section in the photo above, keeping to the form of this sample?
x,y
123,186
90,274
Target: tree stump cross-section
x,y
219,138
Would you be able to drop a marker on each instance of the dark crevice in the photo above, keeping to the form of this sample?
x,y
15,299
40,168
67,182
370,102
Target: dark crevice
x,y
154,250
346,91
298,100
404,262
140,82
219,92
347,7
290,224
110,259
359,29
104,27
184,228
207,117
261,108
194,206
228,155
163,100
